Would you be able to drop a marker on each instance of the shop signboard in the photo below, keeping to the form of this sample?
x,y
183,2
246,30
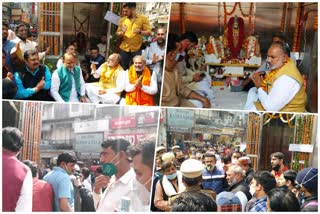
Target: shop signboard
x,y
132,138
88,143
147,118
179,129
91,126
129,137
123,123
180,118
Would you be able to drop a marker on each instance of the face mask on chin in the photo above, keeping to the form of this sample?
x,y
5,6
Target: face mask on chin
x,y
276,168
180,160
109,169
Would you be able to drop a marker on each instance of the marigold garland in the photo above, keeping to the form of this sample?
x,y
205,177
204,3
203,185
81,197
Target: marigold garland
x,y
284,14
315,25
226,13
297,32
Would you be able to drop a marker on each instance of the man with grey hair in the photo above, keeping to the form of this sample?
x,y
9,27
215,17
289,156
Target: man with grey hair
x,y
141,85
282,88
111,82
235,179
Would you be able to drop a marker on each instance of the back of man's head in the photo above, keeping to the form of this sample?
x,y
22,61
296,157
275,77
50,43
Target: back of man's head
x,y
190,36
192,201
12,139
265,179
172,40
33,167
66,158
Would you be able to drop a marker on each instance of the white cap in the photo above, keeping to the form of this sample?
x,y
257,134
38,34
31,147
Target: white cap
x,y
191,168
160,148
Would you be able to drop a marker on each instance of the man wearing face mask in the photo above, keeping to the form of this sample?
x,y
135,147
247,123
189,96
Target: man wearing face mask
x,y
307,183
261,184
212,177
235,156
141,85
277,164
179,158
142,162
119,178
67,83
61,182
170,185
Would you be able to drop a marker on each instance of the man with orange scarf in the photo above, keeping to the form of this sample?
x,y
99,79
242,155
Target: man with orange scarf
x,y
282,88
140,84
111,82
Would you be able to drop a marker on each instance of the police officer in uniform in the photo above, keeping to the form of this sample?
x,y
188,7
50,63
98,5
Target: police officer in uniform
x,y
191,170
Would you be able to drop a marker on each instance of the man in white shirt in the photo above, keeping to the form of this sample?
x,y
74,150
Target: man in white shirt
x,y
282,88
67,82
155,54
23,45
111,82
119,178
103,44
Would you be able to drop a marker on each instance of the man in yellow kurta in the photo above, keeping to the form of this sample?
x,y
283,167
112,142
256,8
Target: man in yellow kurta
x,y
282,88
111,82
140,84
130,30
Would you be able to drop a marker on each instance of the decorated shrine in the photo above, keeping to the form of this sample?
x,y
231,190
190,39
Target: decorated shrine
x,y
235,38
292,134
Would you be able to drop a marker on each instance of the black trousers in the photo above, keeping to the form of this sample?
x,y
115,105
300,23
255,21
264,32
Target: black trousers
x,y
126,58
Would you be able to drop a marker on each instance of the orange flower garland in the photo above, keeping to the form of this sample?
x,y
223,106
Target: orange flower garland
x,y
297,32
226,13
315,25
284,14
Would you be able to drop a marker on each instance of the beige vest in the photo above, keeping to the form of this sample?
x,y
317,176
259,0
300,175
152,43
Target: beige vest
x,y
112,82
298,102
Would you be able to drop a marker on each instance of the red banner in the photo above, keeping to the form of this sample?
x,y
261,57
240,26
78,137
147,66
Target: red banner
x,y
122,123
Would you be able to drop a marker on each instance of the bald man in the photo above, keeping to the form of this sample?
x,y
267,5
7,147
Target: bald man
x,y
282,88
67,84
111,82
140,84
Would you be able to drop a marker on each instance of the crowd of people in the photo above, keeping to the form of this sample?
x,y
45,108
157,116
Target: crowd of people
x,y
122,181
221,178
132,76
